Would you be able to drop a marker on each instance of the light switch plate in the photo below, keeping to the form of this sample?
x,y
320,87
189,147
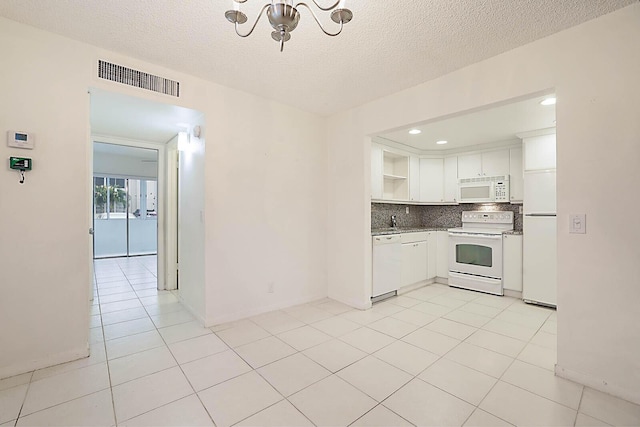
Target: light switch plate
x,y
578,223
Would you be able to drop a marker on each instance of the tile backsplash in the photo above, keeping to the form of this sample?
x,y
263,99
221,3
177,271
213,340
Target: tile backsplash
x,y
435,216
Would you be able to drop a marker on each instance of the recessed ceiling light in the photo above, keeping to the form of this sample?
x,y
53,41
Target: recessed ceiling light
x,y
441,142
548,101
415,131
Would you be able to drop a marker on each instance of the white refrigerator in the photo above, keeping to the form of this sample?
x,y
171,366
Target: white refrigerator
x,y
539,263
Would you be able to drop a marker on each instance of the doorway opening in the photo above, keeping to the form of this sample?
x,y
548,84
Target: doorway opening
x,y
133,170
125,201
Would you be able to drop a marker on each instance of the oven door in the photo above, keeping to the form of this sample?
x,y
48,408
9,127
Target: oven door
x,y
477,254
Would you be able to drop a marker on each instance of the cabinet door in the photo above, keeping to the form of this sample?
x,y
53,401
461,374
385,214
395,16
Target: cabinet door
x,y
432,257
516,178
420,261
469,166
414,263
451,179
415,184
442,257
407,273
376,172
495,163
540,152
512,263
431,180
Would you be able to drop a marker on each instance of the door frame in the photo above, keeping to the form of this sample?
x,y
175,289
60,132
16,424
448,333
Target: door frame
x,y
162,193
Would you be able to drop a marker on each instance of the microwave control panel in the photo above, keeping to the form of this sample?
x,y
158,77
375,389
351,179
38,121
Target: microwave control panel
x,y
502,191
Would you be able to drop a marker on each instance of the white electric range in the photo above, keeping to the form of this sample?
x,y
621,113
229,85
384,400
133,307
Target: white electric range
x,y
475,251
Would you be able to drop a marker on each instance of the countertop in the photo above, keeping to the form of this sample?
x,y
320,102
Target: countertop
x,y
400,230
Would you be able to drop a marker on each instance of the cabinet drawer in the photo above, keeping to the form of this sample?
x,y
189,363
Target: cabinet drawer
x,y
414,237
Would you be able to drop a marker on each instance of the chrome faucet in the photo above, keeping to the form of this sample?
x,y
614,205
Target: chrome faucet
x,y
394,223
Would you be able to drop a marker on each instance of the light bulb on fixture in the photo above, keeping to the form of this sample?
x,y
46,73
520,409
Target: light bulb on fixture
x,y
442,142
415,131
548,101
283,16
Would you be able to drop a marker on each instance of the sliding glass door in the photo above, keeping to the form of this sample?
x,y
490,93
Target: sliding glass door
x,y
125,216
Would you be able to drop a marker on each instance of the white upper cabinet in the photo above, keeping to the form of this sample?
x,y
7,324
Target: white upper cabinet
x,y
432,180
414,179
376,172
451,179
399,176
470,165
495,163
489,163
395,176
540,152
516,180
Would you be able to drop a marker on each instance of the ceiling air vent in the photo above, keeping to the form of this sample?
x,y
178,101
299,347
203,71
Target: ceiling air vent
x,y
131,77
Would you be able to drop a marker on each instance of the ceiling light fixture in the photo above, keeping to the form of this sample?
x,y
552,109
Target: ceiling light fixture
x,y
283,16
548,101
441,142
415,131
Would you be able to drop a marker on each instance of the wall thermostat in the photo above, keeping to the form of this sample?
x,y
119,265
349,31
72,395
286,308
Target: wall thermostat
x,y
19,139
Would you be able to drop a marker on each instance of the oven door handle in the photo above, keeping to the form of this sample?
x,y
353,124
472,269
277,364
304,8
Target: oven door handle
x,y
477,236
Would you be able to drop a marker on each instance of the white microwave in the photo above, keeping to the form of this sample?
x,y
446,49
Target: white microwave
x,y
485,189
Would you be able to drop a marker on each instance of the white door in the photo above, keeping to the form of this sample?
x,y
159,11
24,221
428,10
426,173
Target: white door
x,y
431,252
540,192
540,152
431,180
470,166
539,267
450,179
495,163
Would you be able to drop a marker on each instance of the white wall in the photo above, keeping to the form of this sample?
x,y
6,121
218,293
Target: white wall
x,y
263,199
266,208
594,69
114,164
191,228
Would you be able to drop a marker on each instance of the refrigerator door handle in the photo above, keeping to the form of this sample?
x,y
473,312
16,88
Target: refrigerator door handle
x,y
540,214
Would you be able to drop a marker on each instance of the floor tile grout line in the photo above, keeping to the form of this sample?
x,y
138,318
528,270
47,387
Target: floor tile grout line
x,y
24,399
104,342
177,365
367,353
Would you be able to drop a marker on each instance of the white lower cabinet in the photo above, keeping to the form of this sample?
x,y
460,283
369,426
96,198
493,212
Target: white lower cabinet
x,y
418,257
442,257
414,263
432,250
512,262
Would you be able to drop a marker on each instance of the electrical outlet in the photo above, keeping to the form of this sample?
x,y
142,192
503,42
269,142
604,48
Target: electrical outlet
x,y
406,210
271,287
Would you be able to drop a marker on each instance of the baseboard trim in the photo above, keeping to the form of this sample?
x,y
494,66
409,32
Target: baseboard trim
x,y
598,384
189,308
232,317
358,304
409,288
56,359
442,280
513,294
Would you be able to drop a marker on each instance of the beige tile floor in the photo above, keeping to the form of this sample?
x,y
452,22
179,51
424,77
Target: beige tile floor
x,y
437,356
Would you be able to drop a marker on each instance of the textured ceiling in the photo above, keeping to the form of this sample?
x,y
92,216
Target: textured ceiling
x,y
389,46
